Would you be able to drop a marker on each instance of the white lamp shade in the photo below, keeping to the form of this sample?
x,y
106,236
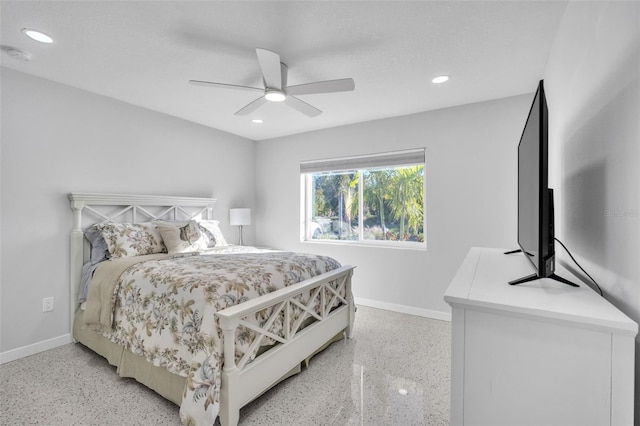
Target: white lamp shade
x,y
240,217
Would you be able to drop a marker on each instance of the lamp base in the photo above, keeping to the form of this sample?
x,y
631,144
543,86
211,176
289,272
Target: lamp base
x,y
240,243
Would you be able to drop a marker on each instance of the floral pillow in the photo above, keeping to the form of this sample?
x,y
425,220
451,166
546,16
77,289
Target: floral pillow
x,y
213,234
182,237
132,239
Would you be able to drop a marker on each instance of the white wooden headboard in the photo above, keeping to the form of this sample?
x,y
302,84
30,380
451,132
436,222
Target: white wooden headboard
x,y
89,208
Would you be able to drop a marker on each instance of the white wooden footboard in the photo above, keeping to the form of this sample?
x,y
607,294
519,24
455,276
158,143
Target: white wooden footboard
x,y
245,380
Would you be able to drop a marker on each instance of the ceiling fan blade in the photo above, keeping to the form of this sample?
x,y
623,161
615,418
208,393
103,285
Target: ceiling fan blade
x,y
254,105
271,69
302,106
329,86
224,85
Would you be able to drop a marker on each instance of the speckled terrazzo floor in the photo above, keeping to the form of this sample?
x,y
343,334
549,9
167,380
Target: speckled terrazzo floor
x,y
394,371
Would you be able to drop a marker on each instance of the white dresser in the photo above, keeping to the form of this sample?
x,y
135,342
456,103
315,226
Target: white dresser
x,y
539,353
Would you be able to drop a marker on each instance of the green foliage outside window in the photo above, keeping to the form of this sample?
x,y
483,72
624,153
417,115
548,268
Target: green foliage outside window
x,y
392,206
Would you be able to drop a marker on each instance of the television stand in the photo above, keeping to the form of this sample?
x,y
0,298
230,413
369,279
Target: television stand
x,y
516,251
533,277
539,354
513,251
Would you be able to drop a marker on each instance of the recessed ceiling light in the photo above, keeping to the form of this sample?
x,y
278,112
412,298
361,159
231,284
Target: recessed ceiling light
x,y
275,96
403,391
37,36
440,79
257,121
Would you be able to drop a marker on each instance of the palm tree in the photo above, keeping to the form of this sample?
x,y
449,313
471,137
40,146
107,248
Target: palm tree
x,y
406,198
319,202
377,187
348,198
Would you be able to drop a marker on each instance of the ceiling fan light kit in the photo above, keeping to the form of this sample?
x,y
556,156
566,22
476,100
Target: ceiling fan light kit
x,y
274,74
274,95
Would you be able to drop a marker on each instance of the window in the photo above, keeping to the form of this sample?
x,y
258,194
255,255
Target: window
x,y
376,199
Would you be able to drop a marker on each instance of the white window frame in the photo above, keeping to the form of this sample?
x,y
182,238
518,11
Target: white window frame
x,y
358,164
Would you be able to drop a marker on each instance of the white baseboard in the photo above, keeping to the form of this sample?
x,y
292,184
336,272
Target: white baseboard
x,y
427,313
45,345
33,349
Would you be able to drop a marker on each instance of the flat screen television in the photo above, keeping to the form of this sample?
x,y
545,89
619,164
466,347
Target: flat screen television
x,y
535,198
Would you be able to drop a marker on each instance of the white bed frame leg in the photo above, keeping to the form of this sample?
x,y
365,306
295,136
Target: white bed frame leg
x,y
77,259
229,412
229,416
352,307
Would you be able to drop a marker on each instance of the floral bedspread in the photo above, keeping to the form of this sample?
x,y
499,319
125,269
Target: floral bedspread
x,y
163,309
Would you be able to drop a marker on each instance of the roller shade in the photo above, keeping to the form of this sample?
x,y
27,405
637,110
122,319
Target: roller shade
x,y
390,159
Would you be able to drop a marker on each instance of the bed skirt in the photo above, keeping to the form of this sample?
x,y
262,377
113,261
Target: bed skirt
x,y
170,386
129,365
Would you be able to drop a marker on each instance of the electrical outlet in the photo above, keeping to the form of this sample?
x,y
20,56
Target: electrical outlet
x,y
47,304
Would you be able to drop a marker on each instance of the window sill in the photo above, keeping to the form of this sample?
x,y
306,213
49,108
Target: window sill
x,y
416,246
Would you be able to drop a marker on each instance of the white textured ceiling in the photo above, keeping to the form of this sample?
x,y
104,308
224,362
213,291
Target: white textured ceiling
x,y
144,53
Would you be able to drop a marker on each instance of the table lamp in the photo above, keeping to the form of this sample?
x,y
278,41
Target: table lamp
x,y
240,217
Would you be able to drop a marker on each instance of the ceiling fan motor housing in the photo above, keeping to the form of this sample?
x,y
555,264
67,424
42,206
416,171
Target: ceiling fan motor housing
x,y
274,77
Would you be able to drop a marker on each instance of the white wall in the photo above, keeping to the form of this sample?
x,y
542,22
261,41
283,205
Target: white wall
x,y
471,196
56,140
593,88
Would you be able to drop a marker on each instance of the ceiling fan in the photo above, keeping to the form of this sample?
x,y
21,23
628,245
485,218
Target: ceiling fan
x,y
275,88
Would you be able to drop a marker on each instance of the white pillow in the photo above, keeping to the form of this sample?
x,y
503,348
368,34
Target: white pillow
x,y
182,237
211,230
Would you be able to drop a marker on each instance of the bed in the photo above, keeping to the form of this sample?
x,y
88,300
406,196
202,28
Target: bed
x,y
207,325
